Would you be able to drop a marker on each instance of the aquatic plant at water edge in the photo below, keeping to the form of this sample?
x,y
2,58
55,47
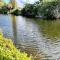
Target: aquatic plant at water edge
x,y
9,52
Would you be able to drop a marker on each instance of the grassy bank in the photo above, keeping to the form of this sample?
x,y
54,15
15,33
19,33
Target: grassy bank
x,y
9,52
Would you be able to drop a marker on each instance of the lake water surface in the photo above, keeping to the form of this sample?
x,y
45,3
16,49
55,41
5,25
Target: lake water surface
x,y
40,38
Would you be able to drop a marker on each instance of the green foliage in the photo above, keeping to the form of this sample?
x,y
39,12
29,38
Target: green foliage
x,y
4,10
16,12
29,10
9,52
46,9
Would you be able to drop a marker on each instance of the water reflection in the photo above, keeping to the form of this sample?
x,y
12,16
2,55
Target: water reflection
x,y
14,27
50,29
6,26
51,32
28,36
40,38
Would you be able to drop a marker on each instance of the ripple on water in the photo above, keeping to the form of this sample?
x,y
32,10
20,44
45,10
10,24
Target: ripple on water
x,y
40,39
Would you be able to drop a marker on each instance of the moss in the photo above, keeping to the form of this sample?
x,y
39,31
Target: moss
x,y
9,52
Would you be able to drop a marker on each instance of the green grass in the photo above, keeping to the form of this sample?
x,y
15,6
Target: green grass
x,y
9,52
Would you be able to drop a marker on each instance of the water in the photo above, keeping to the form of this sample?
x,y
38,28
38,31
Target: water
x,y
40,38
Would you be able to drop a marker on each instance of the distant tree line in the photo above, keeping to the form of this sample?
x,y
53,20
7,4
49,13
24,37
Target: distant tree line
x,y
47,9
30,10
42,9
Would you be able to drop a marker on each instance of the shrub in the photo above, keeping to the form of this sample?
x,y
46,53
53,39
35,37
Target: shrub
x,y
29,10
9,52
16,12
4,10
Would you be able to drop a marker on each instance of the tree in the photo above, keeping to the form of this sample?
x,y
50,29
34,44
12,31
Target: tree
x,y
4,10
29,10
46,9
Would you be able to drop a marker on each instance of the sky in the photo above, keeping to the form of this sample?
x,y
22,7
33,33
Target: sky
x,y
21,2
6,1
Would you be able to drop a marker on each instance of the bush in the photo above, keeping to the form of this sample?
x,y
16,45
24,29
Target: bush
x,y
16,12
4,10
29,10
9,52
48,9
